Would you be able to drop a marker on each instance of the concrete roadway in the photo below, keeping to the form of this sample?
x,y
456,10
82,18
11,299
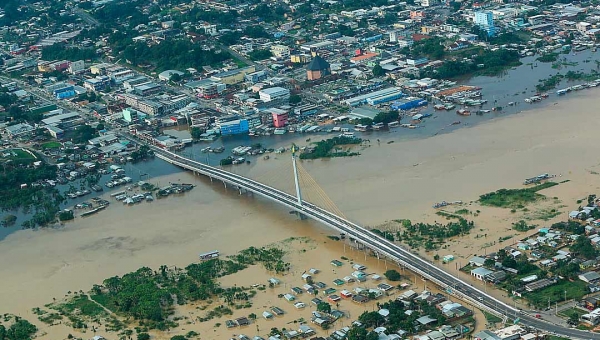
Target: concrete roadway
x,y
447,281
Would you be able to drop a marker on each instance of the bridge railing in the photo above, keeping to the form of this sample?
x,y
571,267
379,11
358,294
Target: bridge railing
x,y
340,224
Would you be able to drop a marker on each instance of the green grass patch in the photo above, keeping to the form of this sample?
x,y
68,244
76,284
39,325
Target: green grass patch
x,y
514,198
543,214
570,311
556,293
333,147
491,318
51,145
463,212
80,304
17,155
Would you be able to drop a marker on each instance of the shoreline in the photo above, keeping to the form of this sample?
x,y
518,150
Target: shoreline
x,y
383,183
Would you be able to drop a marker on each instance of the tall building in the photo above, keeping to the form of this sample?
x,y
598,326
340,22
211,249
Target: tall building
x,y
485,21
280,118
318,67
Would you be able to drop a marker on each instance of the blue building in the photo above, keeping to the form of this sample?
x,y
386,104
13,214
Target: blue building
x,y
408,103
234,127
64,92
485,21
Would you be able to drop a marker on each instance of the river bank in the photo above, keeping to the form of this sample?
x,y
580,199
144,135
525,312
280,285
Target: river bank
x,y
388,181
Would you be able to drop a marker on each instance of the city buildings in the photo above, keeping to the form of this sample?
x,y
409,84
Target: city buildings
x,y
317,68
274,95
280,117
485,21
234,127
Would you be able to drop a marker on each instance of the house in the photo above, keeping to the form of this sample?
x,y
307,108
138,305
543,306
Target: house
x,y
18,129
587,264
480,273
277,311
486,335
385,287
357,266
496,277
243,321
425,320
336,263
477,261
435,335
539,284
346,293
589,277
408,295
359,275
360,299
267,315
306,277
349,279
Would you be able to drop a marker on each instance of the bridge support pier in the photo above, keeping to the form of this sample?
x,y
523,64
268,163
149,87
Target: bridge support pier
x,y
225,184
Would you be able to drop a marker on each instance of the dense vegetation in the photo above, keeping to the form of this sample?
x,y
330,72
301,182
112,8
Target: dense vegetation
x,y
396,320
84,133
329,148
20,329
430,236
260,54
60,52
522,226
514,198
149,296
548,58
392,275
43,201
173,54
493,63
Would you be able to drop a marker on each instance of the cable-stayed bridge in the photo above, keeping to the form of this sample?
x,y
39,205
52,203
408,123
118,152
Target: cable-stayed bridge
x,y
333,218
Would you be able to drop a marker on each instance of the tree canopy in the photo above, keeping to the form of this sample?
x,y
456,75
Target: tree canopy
x,y
173,54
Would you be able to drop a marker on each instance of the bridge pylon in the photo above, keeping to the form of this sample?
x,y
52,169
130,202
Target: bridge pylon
x,y
297,181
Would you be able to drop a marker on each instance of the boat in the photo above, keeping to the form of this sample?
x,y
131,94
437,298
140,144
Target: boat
x,y
93,211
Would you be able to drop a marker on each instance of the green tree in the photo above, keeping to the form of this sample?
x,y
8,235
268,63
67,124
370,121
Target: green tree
x,y
196,132
178,337
386,117
371,319
359,333
84,133
143,336
324,307
295,99
365,121
260,54
66,215
583,246
392,275
378,71
175,77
